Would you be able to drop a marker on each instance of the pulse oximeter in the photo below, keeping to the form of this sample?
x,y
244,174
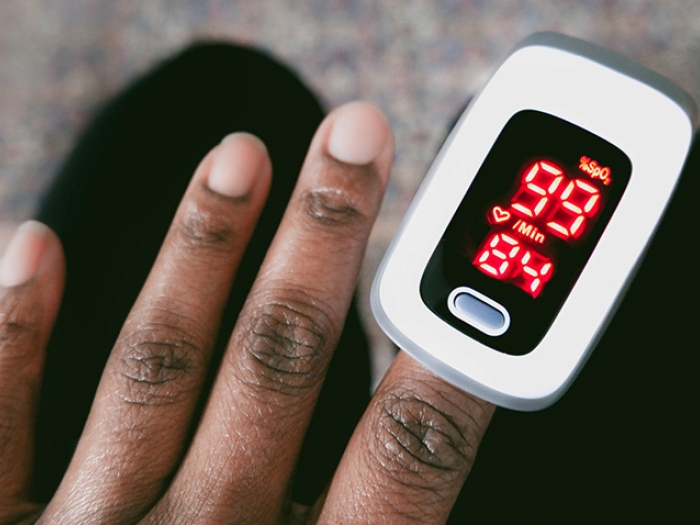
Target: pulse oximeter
x,y
529,226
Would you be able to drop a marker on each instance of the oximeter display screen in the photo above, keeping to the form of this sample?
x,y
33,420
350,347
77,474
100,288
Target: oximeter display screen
x,y
526,228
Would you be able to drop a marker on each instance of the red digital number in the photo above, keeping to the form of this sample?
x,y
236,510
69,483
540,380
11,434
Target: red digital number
x,y
496,255
565,207
578,202
502,257
539,182
535,271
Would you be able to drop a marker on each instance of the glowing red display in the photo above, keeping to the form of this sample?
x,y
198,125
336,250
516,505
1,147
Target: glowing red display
x,y
546,202
503,257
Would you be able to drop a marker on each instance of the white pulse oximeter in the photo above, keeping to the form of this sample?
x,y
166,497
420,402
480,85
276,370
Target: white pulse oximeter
x,y
525,234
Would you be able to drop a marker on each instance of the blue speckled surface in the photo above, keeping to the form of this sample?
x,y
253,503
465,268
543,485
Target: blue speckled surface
x,y
417,59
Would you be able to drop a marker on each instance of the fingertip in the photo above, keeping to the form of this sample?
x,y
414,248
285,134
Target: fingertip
x,y
360,134
32,243
239,163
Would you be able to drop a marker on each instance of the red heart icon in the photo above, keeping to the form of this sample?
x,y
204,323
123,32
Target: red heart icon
x,y
499,214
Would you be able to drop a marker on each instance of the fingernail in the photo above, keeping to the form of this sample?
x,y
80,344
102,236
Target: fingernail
x,y
23,255
236,165
359,134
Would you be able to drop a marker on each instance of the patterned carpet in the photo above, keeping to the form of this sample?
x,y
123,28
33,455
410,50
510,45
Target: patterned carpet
x,y
417,59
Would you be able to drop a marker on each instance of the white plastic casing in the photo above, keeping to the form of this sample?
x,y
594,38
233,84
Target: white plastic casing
x,y
643,114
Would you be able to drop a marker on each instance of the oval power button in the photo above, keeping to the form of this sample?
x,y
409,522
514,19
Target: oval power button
x,y
478,310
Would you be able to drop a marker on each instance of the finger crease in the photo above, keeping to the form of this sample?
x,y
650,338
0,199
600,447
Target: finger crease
x,y
332,207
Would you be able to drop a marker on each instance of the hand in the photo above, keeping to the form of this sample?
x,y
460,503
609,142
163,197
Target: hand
x,y
138,460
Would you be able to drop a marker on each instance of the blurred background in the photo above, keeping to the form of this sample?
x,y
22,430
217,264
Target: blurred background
x,y
419,60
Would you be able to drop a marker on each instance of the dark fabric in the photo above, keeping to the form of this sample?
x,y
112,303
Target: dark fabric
x,y
111,206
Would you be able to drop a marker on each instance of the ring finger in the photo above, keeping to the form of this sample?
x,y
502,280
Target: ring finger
x,y
141,417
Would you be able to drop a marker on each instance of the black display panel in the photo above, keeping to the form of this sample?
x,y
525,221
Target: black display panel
x,y
527,226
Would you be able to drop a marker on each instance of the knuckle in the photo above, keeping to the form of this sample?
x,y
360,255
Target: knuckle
x,y
19,330
286,344
418,443
333,207
157,364
14,338
201,228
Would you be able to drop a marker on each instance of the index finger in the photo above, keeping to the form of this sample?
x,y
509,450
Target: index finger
x,y
410,454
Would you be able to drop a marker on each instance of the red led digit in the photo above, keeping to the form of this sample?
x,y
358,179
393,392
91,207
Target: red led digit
x,y
496,255
578,202
535,271
540,181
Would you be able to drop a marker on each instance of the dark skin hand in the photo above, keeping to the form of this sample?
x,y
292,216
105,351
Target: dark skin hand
x,y
137,461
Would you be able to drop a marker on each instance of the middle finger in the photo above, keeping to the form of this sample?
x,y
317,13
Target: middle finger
x,y
241,461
